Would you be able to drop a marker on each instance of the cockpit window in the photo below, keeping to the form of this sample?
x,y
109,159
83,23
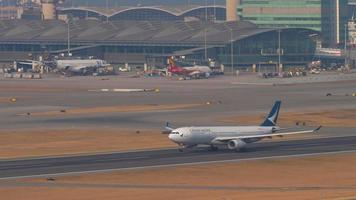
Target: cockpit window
x,y
175,133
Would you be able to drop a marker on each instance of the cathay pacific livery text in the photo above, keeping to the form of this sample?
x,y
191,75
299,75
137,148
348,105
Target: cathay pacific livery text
x,y
232,137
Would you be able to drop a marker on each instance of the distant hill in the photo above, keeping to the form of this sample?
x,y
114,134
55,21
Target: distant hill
x,y
141,2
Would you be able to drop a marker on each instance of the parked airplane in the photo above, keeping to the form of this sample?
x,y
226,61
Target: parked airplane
x,y
195,71
80,66
28,65
232,137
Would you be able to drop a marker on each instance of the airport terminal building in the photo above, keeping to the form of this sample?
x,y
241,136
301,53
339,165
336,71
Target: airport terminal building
x,y
326,16
242,44
149,13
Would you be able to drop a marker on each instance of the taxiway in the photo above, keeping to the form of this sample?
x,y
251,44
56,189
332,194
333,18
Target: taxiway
x,y
56,166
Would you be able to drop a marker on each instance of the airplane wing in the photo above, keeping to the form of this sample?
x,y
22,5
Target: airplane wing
x,y
196,72
168,128
225,139
77,69
83,67
29,62
25,63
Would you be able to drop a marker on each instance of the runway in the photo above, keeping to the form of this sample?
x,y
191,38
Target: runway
x,y
46,167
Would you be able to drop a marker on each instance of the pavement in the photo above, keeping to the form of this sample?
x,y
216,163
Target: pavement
x,y
49,167
323,77
225,96
227,99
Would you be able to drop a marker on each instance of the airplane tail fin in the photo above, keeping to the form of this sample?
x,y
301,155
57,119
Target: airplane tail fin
x,y
171,63
271,119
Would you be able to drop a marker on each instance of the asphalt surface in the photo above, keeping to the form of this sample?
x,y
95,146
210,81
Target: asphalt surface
x,y
169,157
234,97
56,94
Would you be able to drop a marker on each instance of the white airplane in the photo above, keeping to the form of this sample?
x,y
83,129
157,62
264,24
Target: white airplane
x,y
80,66
232,137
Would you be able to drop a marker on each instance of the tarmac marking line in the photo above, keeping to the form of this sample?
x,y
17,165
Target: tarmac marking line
x,y
175,165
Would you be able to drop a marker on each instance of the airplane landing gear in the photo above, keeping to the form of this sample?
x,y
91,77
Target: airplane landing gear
x,y
213,148
186,148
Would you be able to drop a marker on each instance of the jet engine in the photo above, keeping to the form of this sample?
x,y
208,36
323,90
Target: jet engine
x,y
236,144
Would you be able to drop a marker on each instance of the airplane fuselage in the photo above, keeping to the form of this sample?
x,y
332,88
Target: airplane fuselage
x,y
190,71
193,136
203,69
77,65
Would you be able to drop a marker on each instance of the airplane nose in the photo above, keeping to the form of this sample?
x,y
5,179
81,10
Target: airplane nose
x,y
171,137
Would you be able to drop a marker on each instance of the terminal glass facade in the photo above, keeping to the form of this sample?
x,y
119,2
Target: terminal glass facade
x,y
334,22
297,48
282,13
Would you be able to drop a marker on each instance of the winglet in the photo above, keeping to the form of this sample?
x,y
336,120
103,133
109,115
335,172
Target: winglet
x,y
317,129
168,126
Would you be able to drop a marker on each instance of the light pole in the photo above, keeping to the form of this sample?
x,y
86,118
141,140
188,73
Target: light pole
x,y
2,6
279,50
345,45
87,12
205,34
214,11
232,50
205,45
107,10
206,10
68,36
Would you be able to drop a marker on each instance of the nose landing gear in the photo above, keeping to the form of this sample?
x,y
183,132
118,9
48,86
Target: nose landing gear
x,y
186,147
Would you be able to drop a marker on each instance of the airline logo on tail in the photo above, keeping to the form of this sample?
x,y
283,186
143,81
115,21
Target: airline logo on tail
x,y
173,68
171,62
272,117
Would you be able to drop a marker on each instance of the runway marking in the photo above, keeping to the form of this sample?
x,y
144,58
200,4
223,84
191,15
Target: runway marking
x,y
180,187
258,84
84,154
175,165
124,90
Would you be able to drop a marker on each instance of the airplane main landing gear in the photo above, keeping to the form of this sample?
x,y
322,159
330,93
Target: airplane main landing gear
x,y
213,148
